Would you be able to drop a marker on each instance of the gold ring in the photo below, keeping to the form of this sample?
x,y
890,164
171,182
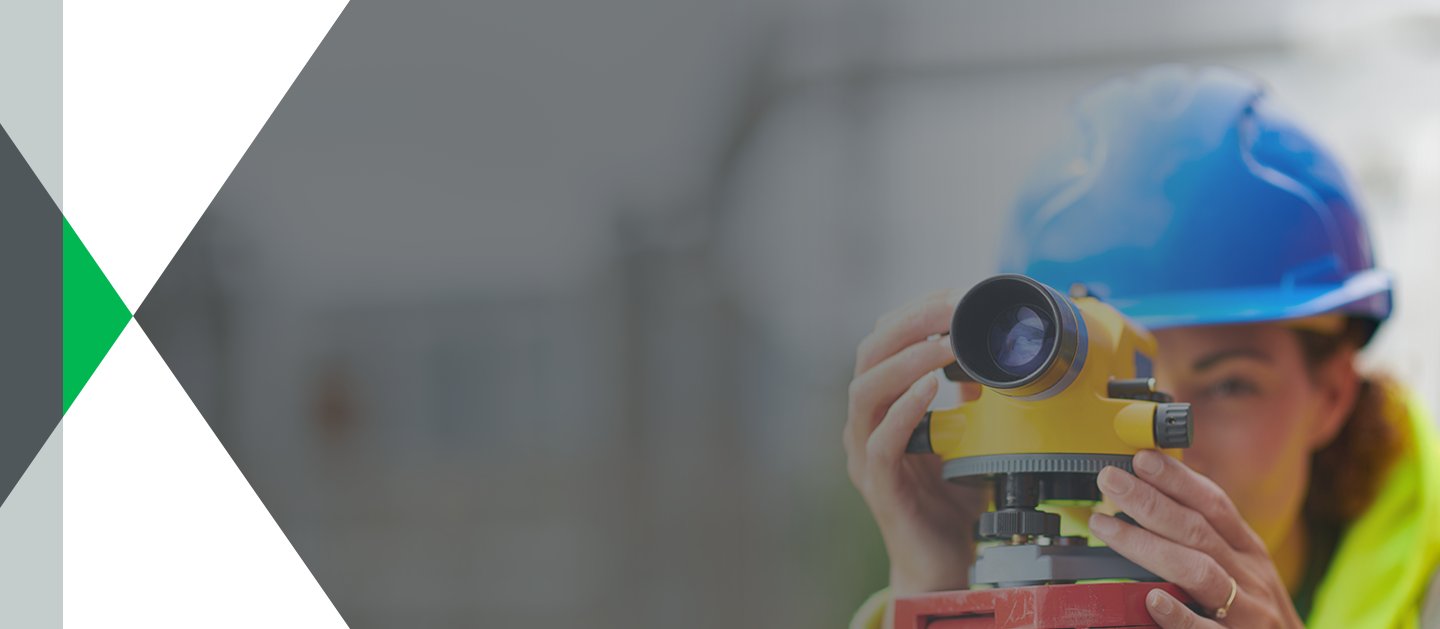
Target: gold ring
x,y
1223,611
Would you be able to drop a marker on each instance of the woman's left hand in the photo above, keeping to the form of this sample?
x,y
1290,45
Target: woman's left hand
x,y
1192,537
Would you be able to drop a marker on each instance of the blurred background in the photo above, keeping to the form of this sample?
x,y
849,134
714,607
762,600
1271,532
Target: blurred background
x,y
543,312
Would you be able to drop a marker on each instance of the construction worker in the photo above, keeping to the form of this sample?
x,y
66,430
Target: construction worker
x,y
1312,492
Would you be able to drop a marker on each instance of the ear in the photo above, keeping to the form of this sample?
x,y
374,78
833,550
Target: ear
x,y
1338,387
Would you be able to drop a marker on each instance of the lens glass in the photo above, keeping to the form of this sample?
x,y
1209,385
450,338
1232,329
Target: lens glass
x,y
1020,340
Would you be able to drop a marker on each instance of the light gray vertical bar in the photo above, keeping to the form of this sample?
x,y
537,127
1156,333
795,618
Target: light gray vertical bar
x,y
31,517
30,544
30,85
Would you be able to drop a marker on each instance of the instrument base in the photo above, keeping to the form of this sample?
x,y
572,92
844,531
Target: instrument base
x,y
1072,606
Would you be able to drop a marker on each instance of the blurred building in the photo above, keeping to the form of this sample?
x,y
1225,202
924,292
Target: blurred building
x,y
543,312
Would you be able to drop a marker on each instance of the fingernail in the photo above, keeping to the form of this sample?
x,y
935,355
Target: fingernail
x,y
1115,481
944,341
1161,602
1150,462
1103,524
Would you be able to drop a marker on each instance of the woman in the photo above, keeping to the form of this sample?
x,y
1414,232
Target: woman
x,y
1311,493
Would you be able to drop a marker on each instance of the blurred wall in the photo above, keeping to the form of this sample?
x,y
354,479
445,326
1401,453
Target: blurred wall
x,y
543,312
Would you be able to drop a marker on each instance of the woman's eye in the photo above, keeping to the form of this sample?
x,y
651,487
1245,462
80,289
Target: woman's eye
x,y
1231,387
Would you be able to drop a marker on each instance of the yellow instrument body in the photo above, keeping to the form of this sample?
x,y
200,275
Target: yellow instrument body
x,y
1078,419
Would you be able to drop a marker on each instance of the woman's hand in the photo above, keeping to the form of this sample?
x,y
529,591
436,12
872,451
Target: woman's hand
x,y
926,522
1194,538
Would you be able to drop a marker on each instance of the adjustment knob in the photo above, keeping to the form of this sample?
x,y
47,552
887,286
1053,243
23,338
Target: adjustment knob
x,y
1010,522
1174,426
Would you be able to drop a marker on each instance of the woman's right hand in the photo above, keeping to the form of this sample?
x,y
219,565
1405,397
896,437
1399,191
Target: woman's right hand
x,y
927,522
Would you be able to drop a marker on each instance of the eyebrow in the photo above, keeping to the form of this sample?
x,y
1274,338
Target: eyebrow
x,y
1211,360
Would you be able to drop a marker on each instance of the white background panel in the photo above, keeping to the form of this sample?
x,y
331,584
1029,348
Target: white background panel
x,y
161,98
161,529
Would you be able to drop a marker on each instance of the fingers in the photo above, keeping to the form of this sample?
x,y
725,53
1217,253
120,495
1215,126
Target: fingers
x,y
950,295
1160,514
887,443
1196,572
906,325
1199,493
1183,542
1170,614
970,391
872,392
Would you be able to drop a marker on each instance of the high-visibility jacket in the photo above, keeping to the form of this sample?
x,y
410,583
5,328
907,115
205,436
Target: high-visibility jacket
x,y
1385,560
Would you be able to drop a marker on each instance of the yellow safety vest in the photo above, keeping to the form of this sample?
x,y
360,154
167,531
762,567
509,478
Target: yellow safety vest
x,y
1385,559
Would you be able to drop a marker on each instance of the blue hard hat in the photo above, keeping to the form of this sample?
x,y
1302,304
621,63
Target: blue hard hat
x,y
1183,198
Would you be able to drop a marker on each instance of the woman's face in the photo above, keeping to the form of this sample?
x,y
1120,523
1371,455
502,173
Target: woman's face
x,y
1259,413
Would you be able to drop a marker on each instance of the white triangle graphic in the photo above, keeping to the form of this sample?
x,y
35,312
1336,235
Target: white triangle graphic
x,y
161,99
30,549
160,528
30,85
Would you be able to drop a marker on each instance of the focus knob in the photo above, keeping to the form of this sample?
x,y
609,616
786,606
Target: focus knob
x,y
1174,426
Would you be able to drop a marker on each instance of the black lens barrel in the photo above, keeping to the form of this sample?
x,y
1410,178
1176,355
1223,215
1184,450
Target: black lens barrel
x,y
992,305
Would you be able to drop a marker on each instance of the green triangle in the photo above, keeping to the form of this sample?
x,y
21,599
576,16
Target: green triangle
x,y
93,315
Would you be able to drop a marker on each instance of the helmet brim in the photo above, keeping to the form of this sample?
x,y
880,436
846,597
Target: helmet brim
x,y
1365,294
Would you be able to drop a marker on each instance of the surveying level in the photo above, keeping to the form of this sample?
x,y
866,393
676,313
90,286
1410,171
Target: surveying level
x,y
1067,390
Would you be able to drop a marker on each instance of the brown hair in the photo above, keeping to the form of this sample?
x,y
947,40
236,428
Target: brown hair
x,y
1346,474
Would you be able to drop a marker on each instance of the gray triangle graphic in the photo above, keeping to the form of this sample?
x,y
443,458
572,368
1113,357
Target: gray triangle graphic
x,y
31,343
30,85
